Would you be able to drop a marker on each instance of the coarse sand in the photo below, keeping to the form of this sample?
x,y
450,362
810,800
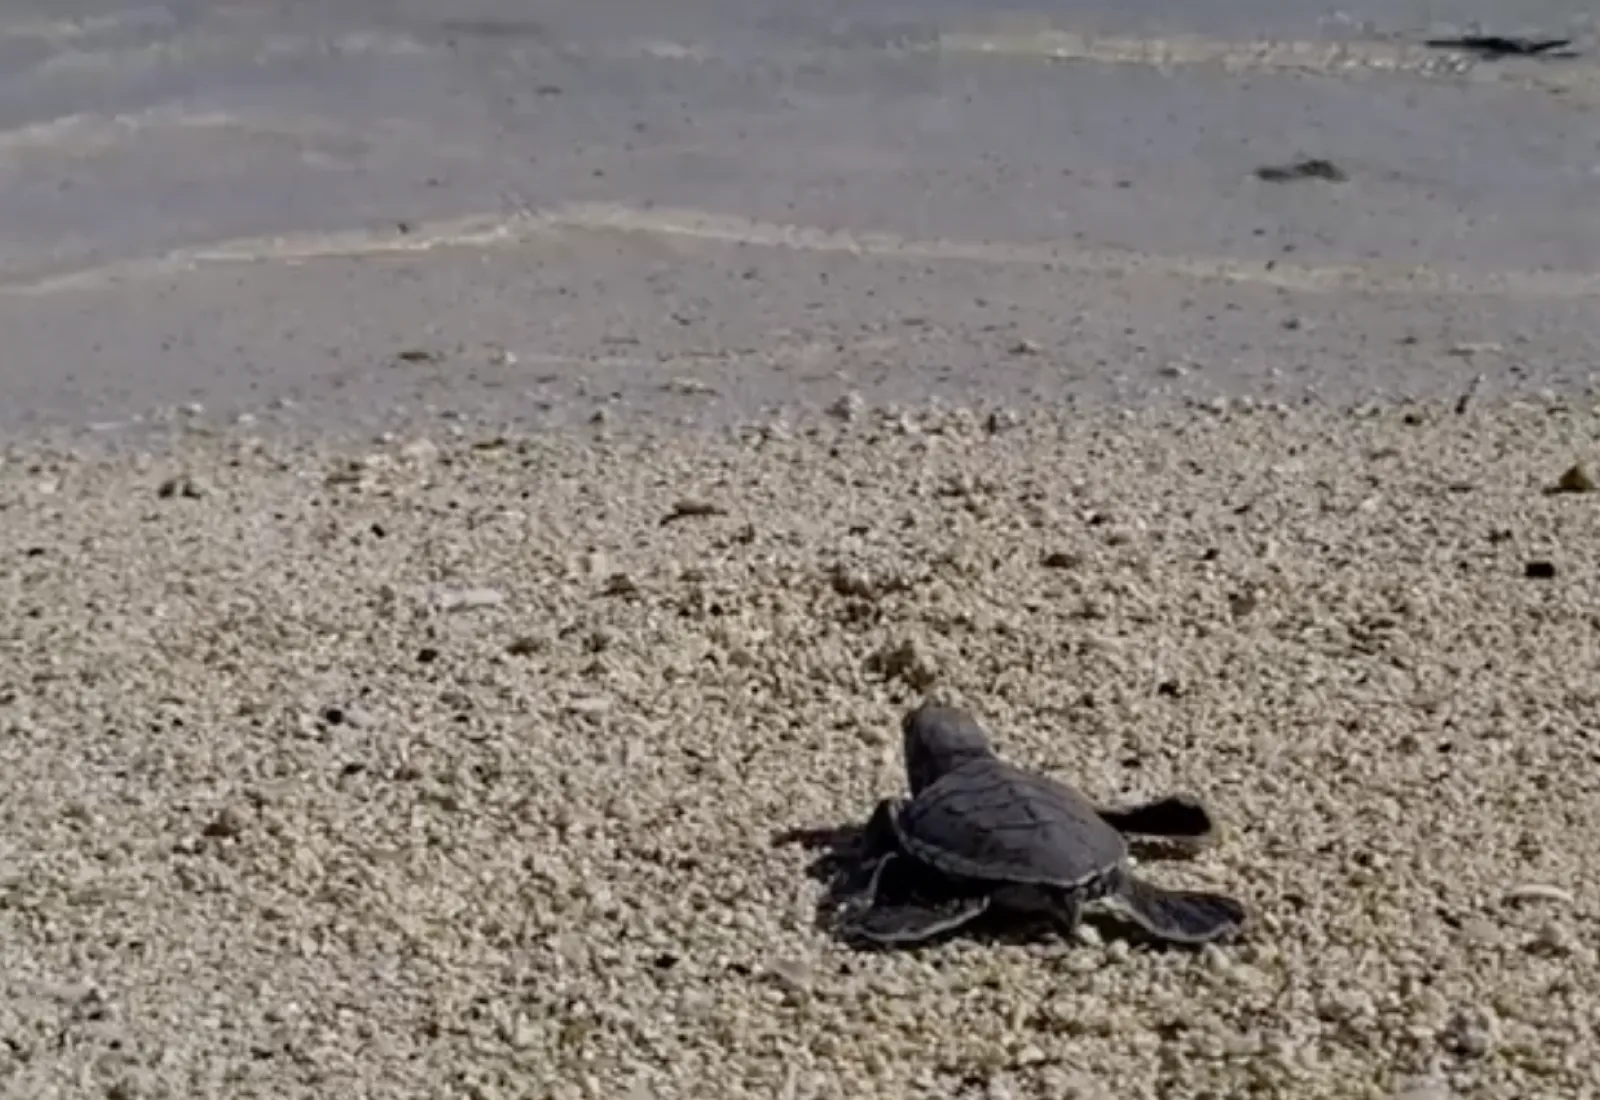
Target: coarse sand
x,y
452,766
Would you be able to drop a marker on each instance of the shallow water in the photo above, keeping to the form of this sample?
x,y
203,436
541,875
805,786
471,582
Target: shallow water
x,y
197,132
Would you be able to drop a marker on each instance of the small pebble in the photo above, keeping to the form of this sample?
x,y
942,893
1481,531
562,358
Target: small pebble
x,y
1000,420
792,974
620,584
1471,1032
227,824
1576,479
180,485
420,451
1555,938
1425,1089
907,661
470,599
689,509
848,408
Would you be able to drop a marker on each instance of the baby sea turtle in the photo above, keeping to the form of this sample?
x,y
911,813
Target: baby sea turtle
x,y
978,832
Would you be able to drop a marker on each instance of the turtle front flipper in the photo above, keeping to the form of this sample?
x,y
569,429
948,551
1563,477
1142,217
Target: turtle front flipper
x,y
912,921
1177,916
908,910
878,836
1176,816
858,877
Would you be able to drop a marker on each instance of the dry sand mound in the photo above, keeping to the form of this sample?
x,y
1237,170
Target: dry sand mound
x,y
454,771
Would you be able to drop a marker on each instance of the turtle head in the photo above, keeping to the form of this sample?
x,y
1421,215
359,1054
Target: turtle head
x,y
939,739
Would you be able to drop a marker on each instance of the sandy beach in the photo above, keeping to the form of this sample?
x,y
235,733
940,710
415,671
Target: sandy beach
x,y
474,489
452,765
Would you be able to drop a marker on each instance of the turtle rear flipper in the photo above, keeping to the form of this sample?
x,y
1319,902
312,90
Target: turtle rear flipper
x,y
1176,816
1177,916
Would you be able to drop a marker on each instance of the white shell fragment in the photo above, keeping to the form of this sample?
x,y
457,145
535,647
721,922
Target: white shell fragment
x,y
470,599
1535,891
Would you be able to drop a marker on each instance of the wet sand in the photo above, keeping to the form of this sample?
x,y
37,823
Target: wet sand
x,y
724,207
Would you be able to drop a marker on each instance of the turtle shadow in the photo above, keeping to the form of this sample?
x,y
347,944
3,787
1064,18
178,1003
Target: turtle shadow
x,y
841,865
838,863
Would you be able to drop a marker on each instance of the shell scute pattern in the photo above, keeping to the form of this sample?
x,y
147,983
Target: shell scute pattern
x,y
989,820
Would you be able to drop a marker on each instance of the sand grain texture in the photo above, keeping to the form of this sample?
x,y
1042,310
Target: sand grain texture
x,y
453,770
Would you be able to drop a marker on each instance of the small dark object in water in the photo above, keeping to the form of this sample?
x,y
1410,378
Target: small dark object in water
x,y
1539,570
1314,169
1495,45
